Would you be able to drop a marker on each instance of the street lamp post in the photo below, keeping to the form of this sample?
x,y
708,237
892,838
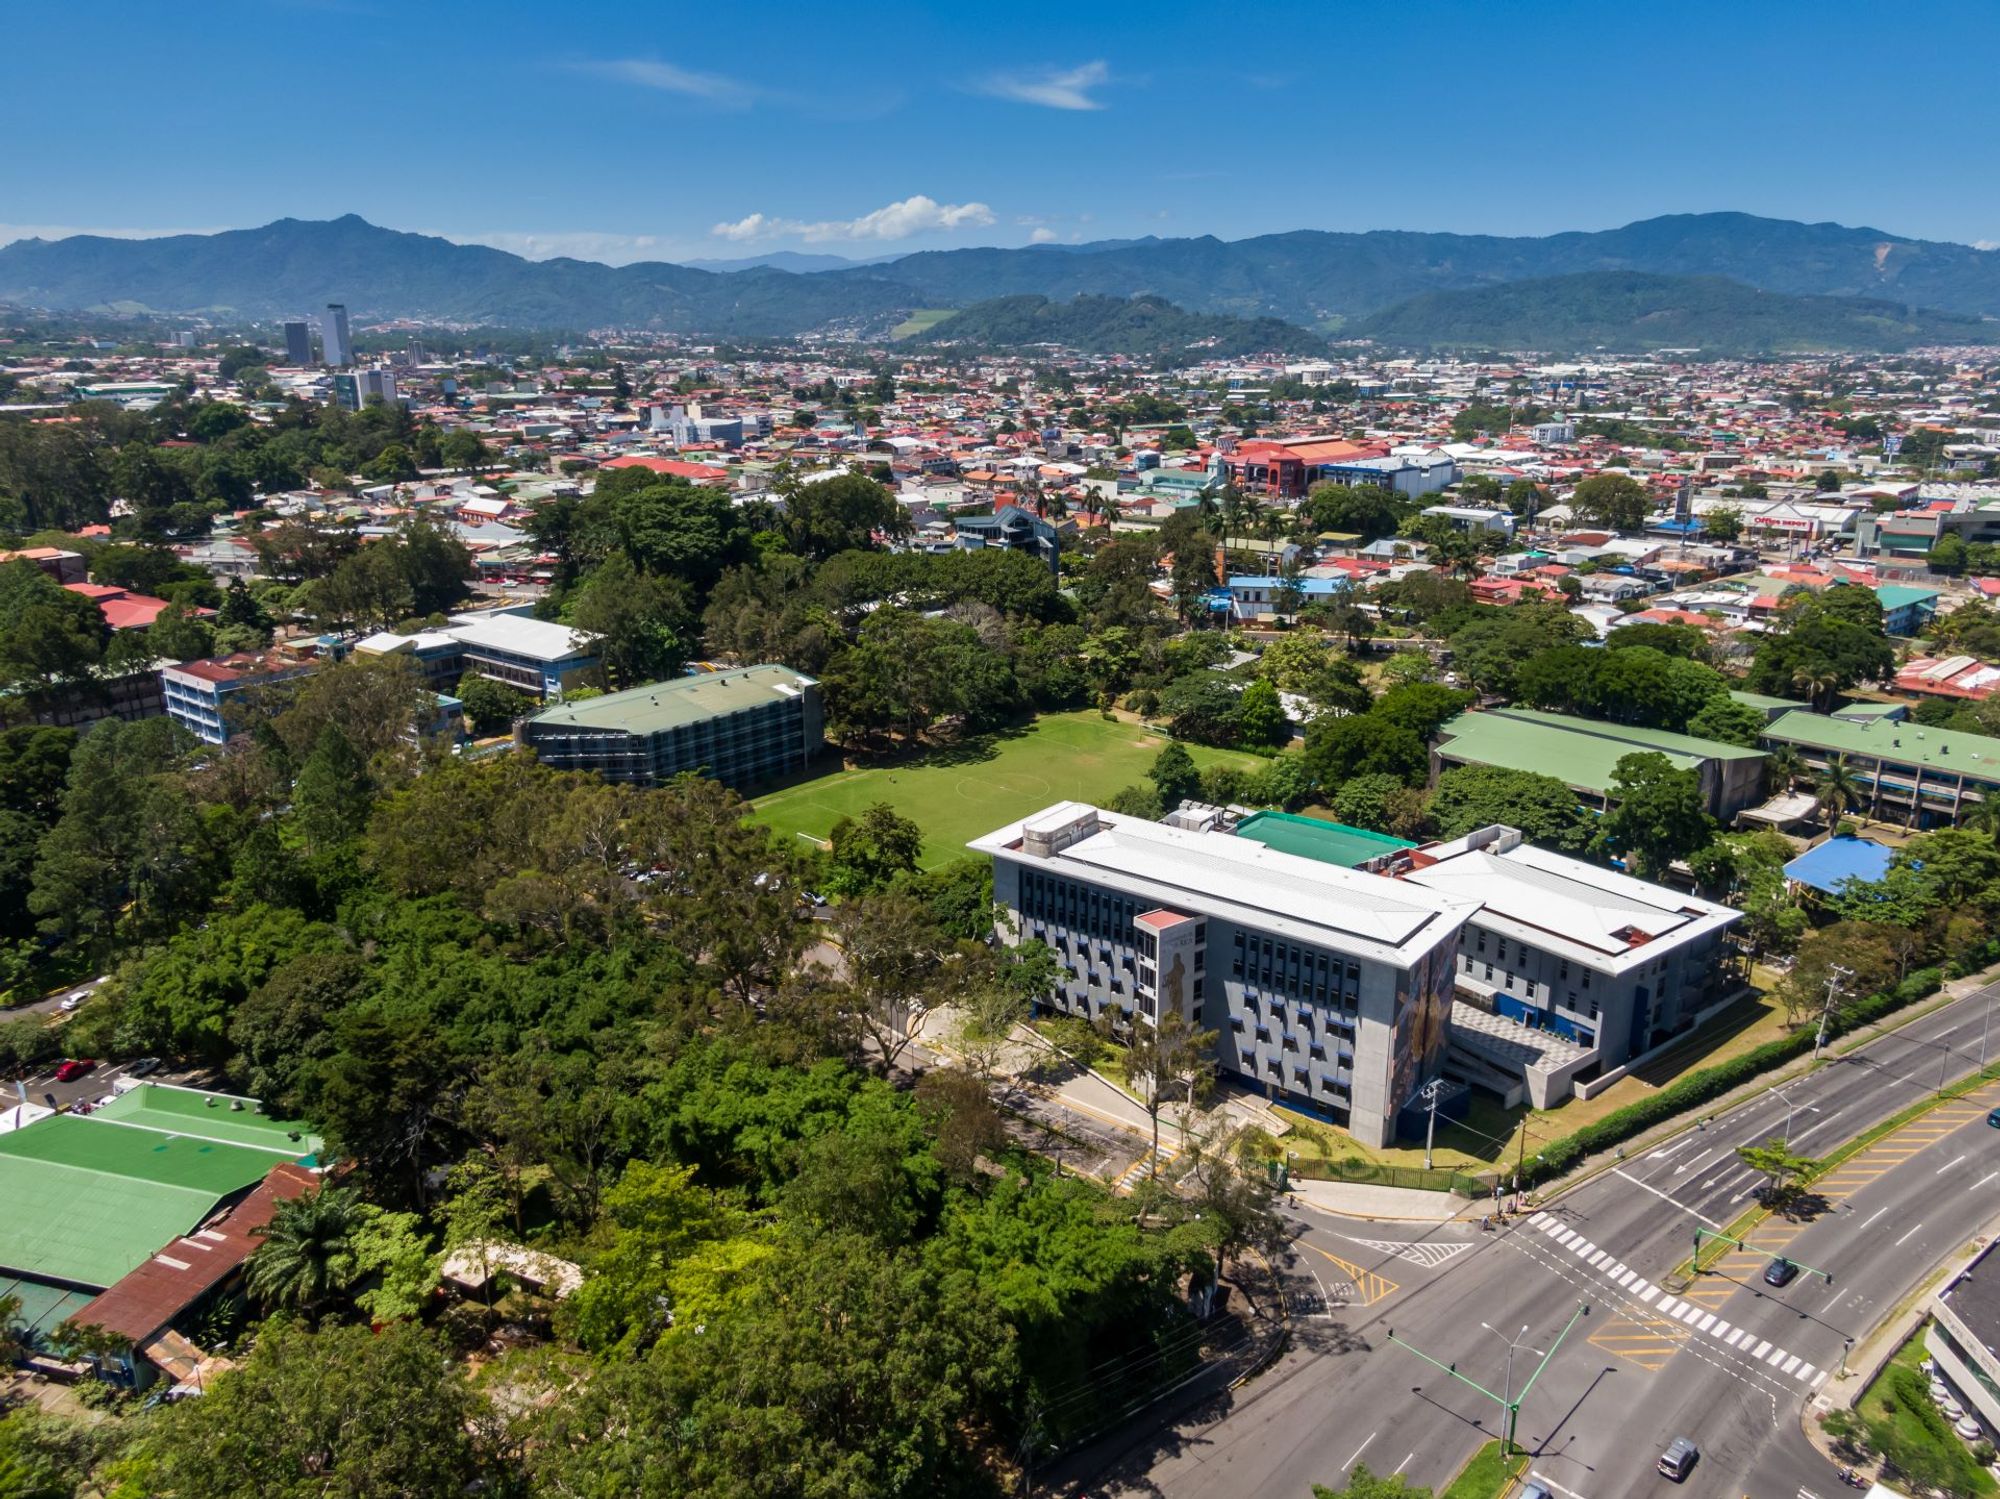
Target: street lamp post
x,y
1431,1090
1507,1402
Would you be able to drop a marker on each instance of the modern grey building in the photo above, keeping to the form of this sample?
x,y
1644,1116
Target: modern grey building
x,y
336,344
742,726
1339,990
1014,527
533,655
1328,989
1568,969
298,342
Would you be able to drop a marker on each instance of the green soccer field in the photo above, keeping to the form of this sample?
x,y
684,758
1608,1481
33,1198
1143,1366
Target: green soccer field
x,y
956,794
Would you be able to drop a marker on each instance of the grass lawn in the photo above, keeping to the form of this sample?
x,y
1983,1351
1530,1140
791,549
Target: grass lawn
x,y
960,792
923,319
1487,1475
1916,1421
1491,1135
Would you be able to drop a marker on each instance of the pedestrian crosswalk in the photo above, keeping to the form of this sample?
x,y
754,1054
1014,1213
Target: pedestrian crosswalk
x,y
1667,1310
1145,1166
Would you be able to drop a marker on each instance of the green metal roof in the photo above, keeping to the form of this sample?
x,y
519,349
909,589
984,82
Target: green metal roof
x,y
1764,704
1579,752
659,706
189,1111
1318,838
1898,595
1638,738
1946,751
89,1199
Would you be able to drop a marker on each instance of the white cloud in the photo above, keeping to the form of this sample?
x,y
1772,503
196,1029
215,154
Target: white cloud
x,y
670,78
1052,88
1044,236
916,215
1986,244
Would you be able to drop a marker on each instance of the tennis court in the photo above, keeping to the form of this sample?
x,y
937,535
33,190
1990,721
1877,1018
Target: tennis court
x,y
89,1198
207,1116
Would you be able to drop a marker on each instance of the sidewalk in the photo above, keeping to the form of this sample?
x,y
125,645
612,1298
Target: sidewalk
x,y
1385,1204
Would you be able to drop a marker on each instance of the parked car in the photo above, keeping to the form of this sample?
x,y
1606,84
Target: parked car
x,y
1781,1272
1533,1488
72,1002
1993,1118
74,1068
144,1067
1679,1459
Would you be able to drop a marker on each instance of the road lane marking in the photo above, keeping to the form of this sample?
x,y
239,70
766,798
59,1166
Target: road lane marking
x,y
1946,1167
1403,1464
1697,1163
1985,1179
1349,1464
1874,1215
1664,1197
1669,1305
1912,1229
1368,1287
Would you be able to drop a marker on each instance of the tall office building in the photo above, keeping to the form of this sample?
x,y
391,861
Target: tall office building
x,y
334,339
298,342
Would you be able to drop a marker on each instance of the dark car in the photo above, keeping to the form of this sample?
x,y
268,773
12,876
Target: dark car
x,y
1781,1272
75,1068
1994,1118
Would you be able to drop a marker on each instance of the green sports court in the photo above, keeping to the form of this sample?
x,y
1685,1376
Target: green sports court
x,y
91,1197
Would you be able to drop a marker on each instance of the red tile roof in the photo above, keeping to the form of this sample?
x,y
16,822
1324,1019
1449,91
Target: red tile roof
x,y
184,1271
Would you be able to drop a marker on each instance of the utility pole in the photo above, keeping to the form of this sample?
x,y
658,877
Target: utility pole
x,y
1430,1091
1507,1386
1509,1403
1836,980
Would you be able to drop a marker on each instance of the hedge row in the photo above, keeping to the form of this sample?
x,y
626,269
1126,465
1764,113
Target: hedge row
x,y
1697,1088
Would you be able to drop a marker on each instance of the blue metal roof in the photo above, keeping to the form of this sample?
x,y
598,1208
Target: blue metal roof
x,y
1831,864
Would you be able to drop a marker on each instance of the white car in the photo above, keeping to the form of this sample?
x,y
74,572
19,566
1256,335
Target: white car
x,y
143,1066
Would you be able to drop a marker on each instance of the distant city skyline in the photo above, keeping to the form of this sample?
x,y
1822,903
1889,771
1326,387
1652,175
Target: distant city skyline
x,y
585,130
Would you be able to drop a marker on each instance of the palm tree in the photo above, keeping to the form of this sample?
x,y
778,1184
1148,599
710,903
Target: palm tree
x,y
1786,764
1819,682
1985,817
306,1255
1839,790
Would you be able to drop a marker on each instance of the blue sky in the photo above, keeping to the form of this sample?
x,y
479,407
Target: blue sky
x,y
628,131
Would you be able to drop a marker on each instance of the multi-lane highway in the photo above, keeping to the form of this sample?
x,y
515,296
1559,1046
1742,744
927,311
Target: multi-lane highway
x,y
1727,1360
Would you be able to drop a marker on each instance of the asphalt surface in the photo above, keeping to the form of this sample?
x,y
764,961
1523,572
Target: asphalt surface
x,y
1726,1360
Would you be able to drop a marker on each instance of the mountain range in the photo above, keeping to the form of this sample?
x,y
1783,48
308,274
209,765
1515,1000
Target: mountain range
x,y
1118,325
1315,279
1636,310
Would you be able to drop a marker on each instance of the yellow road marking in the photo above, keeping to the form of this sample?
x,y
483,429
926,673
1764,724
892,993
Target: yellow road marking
x,y
1648,1342
1369,1287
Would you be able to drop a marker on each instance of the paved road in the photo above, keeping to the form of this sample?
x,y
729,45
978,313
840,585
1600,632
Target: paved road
x,y
1730,1361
